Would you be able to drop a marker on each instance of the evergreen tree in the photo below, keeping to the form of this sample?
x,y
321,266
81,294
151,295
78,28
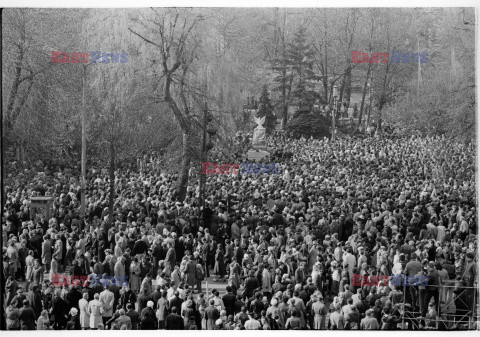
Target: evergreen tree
x,y
301,60
284,79
266,109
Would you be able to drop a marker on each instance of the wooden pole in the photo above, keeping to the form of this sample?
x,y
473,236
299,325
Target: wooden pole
x,y
84,144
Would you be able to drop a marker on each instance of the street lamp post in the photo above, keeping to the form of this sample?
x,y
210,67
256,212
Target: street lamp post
x,y
334,111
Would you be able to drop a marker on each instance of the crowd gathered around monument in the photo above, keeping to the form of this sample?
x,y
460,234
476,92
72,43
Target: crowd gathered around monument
x,y
331,241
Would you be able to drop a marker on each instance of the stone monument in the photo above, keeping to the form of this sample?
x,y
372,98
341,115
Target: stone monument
x,y
258,141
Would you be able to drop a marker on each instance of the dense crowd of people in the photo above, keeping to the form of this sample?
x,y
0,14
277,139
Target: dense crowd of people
x,y
301,249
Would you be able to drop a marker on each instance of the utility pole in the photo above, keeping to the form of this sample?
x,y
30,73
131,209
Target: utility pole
x,y
84,143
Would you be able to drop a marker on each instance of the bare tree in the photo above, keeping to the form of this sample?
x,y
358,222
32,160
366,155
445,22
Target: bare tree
x,y
177,45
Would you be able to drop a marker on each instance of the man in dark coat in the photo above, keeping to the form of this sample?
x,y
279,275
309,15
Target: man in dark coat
x,y
171,257
134,316
75,318
211,315
20,297
27,317
34,298
174,321
140,247
59,311
143,299
251,283
155,296
73,296
176,301
229,301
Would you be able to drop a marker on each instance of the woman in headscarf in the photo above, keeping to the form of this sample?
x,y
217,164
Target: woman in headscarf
x,y
234,278
135,276
43,322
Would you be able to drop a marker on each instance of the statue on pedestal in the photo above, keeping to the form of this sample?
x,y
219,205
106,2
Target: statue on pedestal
x,y
258,151
259,133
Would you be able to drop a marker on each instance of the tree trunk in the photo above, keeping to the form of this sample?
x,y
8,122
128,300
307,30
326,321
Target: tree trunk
x,y
383,97
184,126
284,98
363,95
348,86
183,180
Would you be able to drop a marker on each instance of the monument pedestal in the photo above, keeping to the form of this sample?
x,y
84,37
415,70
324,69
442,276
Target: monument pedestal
x,y
258,151
258,140
257,154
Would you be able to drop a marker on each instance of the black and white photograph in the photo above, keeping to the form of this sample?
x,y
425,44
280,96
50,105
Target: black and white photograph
x,y
239,168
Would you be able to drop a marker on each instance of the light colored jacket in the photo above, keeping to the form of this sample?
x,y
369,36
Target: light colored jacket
x,y
107,298
119,269
29,263
84,313
95,314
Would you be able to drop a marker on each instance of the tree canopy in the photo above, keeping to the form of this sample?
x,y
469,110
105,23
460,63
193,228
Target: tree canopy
x,y
181,58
